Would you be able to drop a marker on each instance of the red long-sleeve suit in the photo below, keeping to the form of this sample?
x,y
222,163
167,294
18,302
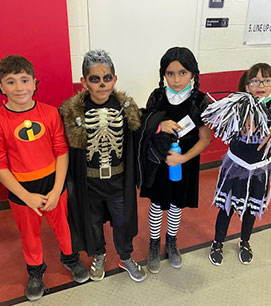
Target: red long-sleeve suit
x,y
30,141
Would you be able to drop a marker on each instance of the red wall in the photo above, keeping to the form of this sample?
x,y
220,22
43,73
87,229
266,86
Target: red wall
x,y
38,30
220,81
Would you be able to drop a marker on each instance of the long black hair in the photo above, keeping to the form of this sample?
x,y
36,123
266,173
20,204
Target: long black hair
x,y
187,59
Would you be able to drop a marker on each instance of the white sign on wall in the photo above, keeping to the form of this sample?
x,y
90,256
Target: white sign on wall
x,y
258,25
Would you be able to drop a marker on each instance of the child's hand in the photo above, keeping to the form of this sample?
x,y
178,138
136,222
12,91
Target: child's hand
x,y
175,158
36,201
53,198
169,126
265,140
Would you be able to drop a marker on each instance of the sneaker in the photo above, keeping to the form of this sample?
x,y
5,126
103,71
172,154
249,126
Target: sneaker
x,y
35,287
79,271
245,253
216,253
153,261
96,272
134,270
174,255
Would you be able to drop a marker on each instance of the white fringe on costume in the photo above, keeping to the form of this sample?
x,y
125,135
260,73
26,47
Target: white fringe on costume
x,y
240,184
240,187
228,116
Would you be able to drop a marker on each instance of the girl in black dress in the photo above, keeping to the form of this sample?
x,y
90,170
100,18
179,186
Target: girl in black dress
x,y
176,107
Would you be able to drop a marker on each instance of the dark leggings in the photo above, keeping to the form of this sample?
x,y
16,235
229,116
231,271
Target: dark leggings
x,y
223,221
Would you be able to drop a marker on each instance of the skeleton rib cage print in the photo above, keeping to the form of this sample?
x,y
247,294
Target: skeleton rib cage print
x,y
104,134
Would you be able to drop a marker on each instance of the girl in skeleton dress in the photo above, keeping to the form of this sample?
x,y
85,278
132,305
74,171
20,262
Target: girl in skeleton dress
x,y
176,107
243,183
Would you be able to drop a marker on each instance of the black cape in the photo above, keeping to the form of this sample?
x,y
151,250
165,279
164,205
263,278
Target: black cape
x,y
78,203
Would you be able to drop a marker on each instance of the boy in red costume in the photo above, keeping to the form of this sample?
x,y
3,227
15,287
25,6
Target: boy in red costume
x,y
33,166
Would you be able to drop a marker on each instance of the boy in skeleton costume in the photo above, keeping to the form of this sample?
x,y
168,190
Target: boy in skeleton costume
x,y
243,182
100,124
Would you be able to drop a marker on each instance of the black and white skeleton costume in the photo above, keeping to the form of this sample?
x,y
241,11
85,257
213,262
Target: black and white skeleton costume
x,y
101,169
243,181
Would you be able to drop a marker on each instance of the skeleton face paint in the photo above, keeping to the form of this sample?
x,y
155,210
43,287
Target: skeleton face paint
x,y
96,79
99,82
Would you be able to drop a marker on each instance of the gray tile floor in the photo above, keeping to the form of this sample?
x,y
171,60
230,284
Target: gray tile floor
x,y
197,283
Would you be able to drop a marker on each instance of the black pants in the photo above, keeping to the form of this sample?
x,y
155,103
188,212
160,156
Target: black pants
x,y
69,260
123,244
223,221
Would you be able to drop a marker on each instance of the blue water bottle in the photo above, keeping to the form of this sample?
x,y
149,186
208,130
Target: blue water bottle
x,y
175,172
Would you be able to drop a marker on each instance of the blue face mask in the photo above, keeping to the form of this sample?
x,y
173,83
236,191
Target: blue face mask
x,y
266,100
176,98
180,92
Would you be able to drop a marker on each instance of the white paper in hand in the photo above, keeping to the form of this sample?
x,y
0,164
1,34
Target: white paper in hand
x,y
186,126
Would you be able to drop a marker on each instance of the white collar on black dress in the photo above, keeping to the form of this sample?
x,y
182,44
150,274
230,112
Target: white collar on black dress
x,y
176,98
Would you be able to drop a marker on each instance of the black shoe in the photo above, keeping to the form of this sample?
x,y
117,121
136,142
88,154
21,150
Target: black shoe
x,y
135,271
216,253
79,271
174,255
153,261
245,253
35,287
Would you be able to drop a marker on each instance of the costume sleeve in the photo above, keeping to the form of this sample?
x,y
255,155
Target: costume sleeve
x,y
154,100
3,151
203,105
59,143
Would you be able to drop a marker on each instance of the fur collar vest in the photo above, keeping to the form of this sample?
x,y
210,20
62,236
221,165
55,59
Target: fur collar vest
x,y
75,107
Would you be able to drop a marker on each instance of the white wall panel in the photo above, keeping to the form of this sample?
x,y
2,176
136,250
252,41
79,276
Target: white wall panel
x,y
77,13
79,34
137,33
222,38
222,49
76,68
235,10
77,37
232,59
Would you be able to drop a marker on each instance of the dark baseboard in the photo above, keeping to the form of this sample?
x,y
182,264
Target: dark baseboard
x,y
4,205
210,165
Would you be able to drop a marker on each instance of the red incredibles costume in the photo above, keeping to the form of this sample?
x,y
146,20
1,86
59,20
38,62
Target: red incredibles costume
x,y
30,141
